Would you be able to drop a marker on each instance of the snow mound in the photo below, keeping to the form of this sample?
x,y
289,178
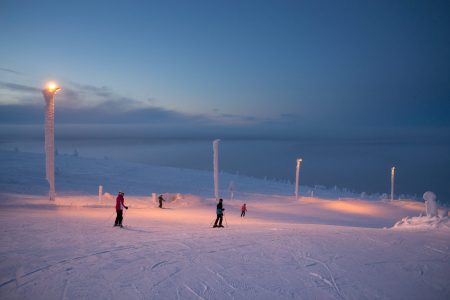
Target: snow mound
x,y
423,222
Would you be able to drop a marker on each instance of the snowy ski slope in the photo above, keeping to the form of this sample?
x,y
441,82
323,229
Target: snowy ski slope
x,y
332,246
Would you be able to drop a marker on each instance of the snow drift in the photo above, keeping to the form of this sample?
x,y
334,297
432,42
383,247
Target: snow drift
x,y
423,223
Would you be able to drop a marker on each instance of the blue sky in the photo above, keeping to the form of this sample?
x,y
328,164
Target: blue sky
x,y
291,66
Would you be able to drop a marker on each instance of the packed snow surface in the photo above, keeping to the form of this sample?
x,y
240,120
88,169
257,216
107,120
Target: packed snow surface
x,y
333,246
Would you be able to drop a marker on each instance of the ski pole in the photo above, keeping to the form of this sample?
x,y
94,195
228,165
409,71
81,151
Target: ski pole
x,y
107,220
226,223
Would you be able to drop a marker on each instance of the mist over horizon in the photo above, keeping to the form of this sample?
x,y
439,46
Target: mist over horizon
x,y
358,165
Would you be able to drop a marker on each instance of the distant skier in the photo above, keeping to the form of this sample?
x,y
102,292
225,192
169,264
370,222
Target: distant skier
x,y
243,210
120,204
219,212
160,199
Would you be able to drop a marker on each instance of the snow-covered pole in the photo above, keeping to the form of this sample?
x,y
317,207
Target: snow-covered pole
x,y
49,96
231,189
297,174
392,182
100,193
216,168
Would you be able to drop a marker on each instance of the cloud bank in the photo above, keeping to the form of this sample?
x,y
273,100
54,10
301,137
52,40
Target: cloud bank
x,y
90,111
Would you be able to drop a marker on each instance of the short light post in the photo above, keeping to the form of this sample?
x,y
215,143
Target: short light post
x,y
49,95
100,193
297,175
392,182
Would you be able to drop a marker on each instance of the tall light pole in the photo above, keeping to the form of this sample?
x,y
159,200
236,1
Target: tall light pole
x,y
297,174
216,168
392,182
49,95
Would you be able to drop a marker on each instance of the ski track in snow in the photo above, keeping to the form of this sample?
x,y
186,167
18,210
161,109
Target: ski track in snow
x,y
209,264
333,283
64,261
437,250
193,292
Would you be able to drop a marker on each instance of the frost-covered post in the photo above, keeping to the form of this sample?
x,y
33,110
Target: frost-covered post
x,y
216,168
297,174
49,96
100,193
392,182
231,189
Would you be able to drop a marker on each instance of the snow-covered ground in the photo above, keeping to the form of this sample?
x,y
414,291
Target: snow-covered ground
x,y
331,246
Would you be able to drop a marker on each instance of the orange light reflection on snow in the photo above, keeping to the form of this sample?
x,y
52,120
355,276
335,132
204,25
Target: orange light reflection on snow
x,y
359,208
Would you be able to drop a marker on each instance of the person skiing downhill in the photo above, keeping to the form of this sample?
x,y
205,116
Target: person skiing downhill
x,y
219,212
120,204
243,210
160,199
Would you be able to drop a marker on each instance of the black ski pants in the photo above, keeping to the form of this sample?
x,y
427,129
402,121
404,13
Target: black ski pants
x,y
119,217
219,219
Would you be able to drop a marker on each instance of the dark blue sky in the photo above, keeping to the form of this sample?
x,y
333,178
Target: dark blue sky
x,y
356,67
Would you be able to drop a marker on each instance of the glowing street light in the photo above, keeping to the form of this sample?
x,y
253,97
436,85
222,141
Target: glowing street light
x,y
52,87
392,182
297,174
49,95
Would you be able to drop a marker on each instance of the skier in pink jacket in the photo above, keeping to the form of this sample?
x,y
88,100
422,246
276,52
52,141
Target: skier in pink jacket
x,y
120,204
243,210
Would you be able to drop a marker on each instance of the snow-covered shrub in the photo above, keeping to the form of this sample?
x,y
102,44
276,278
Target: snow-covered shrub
x,y
384,196
107,197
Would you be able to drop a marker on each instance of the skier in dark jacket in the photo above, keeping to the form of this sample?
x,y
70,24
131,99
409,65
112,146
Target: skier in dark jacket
x,y
120,204
219,212
160,199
